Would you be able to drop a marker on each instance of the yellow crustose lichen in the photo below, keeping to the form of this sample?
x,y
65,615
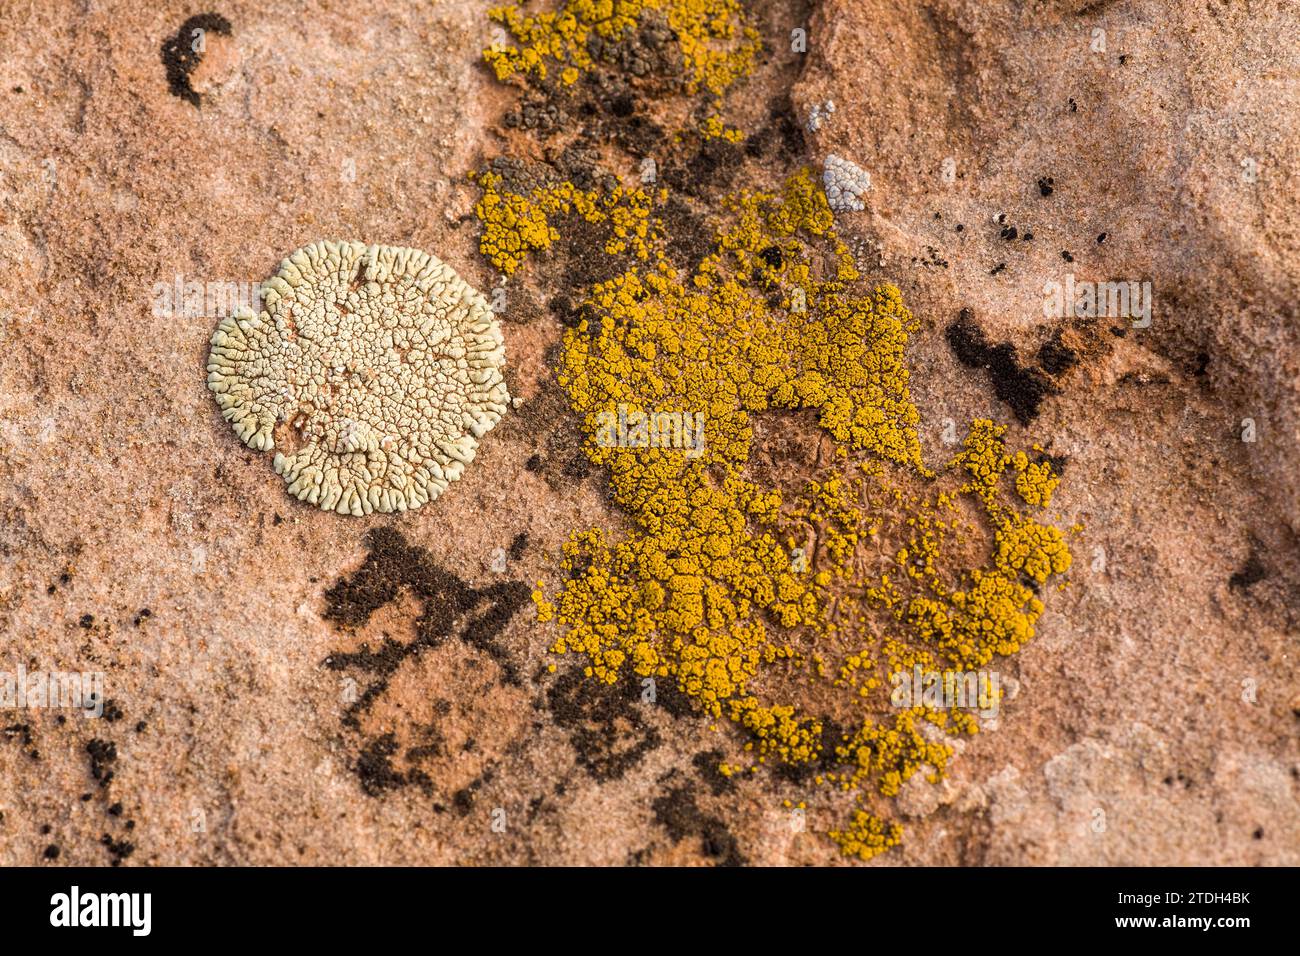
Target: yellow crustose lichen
x,y
703,588
713,587
515,225
716,47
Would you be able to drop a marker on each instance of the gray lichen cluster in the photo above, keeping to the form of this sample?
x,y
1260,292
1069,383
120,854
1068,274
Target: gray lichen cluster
x,y
372,371
845,184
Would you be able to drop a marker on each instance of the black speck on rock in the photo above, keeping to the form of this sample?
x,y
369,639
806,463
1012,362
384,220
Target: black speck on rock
x,y
118,850
22,731
51,852
103,754
1250,574
179,56
518,546
1201,364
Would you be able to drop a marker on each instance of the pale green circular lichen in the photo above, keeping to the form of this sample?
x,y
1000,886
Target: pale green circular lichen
x,y
372,371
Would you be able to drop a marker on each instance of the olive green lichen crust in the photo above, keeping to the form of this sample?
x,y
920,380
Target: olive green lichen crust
x,y
372,371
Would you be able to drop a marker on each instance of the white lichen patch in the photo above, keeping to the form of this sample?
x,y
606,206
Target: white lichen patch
x,y
372,371
819,115
845,184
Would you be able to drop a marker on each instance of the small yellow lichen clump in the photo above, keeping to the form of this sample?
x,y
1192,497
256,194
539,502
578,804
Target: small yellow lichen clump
x,y
716,47
380,364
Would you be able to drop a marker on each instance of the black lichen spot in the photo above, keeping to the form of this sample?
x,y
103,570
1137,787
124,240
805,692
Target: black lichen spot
x,y
51,852
604,724
462,801
1058,462
679,814
715,164
448,605
706,765
392,567
119,850
1065,254
690,238
1046,185
374,768
1250,574
103,754
780,137
87,621
180,57
22,731
1023,388
622,106
1201,364
1055,357
832,738
518,546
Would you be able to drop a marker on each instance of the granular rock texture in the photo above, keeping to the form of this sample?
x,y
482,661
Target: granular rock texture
x,y
382,365
286,685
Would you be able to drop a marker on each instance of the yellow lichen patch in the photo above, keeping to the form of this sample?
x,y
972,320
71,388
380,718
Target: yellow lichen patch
x,y
715,44
515,225
1034,481
710,588
867,835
